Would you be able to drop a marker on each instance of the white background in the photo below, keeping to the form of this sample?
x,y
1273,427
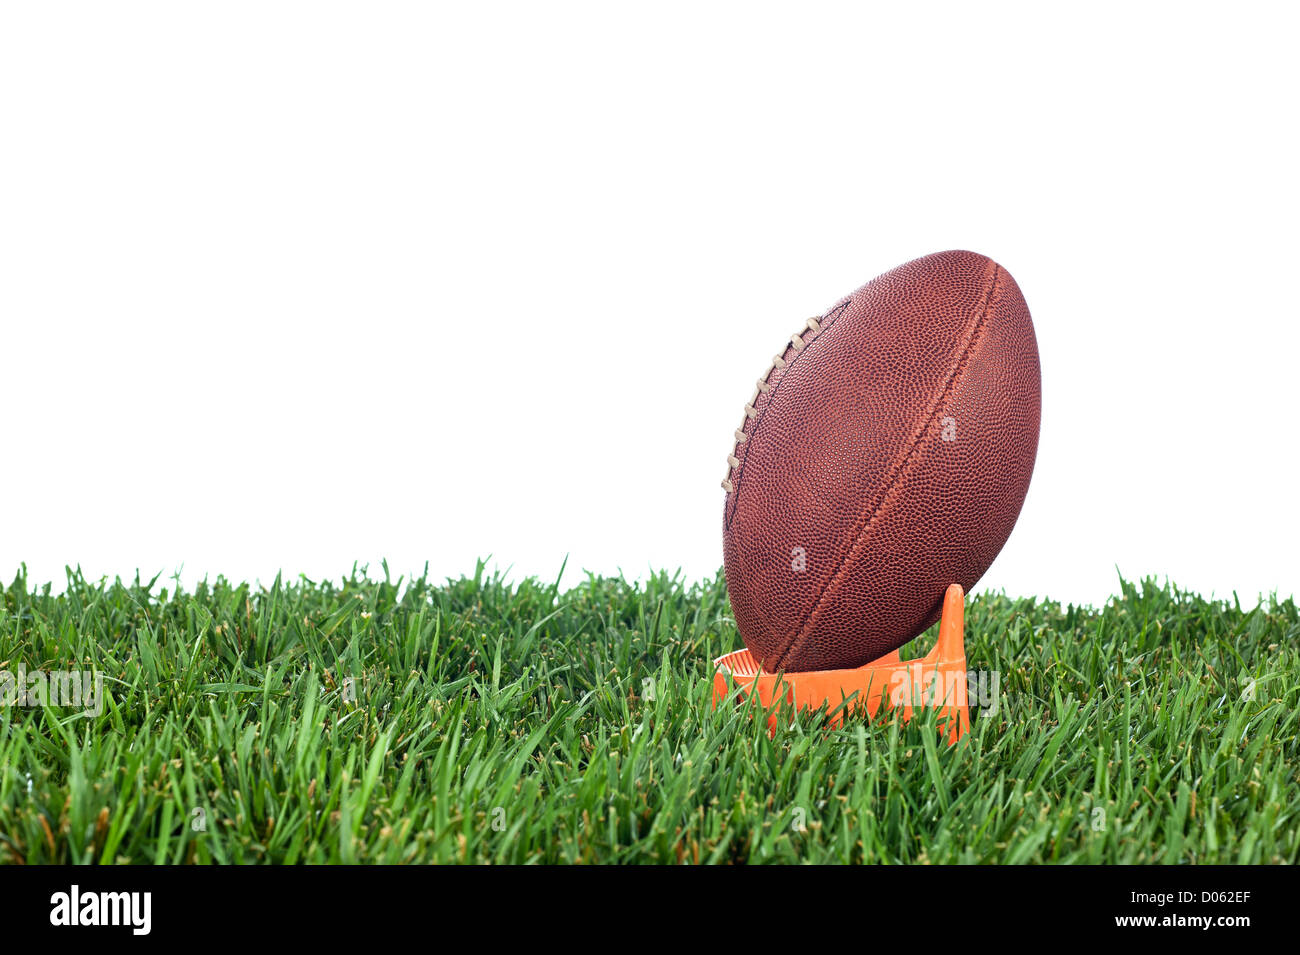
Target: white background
x,y
293,285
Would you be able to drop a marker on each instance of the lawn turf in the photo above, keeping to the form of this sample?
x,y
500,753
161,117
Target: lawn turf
x,y
486,721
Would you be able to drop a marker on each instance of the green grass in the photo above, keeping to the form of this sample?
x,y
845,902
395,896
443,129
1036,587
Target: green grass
x,y
513,723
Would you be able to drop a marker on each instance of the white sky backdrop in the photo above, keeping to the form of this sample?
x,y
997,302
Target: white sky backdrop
x,y
288,285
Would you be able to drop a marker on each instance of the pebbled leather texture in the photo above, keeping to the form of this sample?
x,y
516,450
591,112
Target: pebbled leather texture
x,y
888,459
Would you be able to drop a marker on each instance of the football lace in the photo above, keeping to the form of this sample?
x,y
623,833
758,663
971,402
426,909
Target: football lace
x,y
762,388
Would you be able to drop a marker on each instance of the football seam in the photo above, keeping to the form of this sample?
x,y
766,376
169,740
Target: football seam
x,y
862,532
830,316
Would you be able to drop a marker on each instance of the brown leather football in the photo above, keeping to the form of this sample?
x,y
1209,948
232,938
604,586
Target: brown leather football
x,y
884,456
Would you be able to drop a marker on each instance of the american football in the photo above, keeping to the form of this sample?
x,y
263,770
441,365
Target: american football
x,y
884,455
